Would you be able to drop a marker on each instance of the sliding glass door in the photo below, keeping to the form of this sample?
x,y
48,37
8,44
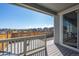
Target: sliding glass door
x,y
70,29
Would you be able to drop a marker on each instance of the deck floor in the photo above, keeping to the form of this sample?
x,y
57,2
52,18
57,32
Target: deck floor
x,y
57,50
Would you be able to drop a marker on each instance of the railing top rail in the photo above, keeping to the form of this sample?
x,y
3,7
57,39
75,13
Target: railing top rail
x,y
24,38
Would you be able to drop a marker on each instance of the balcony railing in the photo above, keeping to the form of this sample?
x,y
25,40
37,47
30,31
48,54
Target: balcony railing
x,y
27,46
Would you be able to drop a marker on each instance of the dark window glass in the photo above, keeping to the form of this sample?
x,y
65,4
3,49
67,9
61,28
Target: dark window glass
x,y
70,29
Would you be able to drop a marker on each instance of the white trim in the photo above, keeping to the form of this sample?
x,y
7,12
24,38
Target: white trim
x,y
61,30
75,49
77,33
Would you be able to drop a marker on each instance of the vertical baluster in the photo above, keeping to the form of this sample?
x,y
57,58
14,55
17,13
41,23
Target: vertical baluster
x,y
44,53
25,45
14,47
41,53
35,54
17,47
43,43
45,46
7,46
11,47
27,42
40,42
20,47
3,47
31,47
36,43
33,44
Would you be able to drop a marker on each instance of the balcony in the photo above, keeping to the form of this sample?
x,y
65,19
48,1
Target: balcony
x,y
37,45
26,46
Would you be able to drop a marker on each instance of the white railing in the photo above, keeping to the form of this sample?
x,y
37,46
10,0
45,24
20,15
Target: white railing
x,y
27,46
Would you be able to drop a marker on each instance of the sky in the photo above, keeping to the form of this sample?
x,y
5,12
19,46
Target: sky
x,y
16,17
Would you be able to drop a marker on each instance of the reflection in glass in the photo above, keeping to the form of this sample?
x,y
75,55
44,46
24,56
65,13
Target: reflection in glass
x,y
70,29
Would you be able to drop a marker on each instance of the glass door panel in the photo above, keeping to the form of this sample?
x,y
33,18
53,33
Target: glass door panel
x,y
70,29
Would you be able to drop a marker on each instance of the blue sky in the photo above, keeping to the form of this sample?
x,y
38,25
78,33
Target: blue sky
x,y
15,17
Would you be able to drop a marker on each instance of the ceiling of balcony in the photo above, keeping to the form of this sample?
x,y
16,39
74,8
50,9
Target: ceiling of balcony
x,y
57,7
52,8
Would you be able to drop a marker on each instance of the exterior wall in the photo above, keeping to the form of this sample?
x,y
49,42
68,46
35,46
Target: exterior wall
x,y
57,27
21,34
3,37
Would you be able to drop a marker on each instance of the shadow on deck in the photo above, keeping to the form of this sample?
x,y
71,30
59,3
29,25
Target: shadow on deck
x,y
58,50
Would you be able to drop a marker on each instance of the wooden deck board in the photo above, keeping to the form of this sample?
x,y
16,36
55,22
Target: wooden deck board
x,y
57,50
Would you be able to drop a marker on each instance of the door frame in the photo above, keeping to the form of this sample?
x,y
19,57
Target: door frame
x,y
61,26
